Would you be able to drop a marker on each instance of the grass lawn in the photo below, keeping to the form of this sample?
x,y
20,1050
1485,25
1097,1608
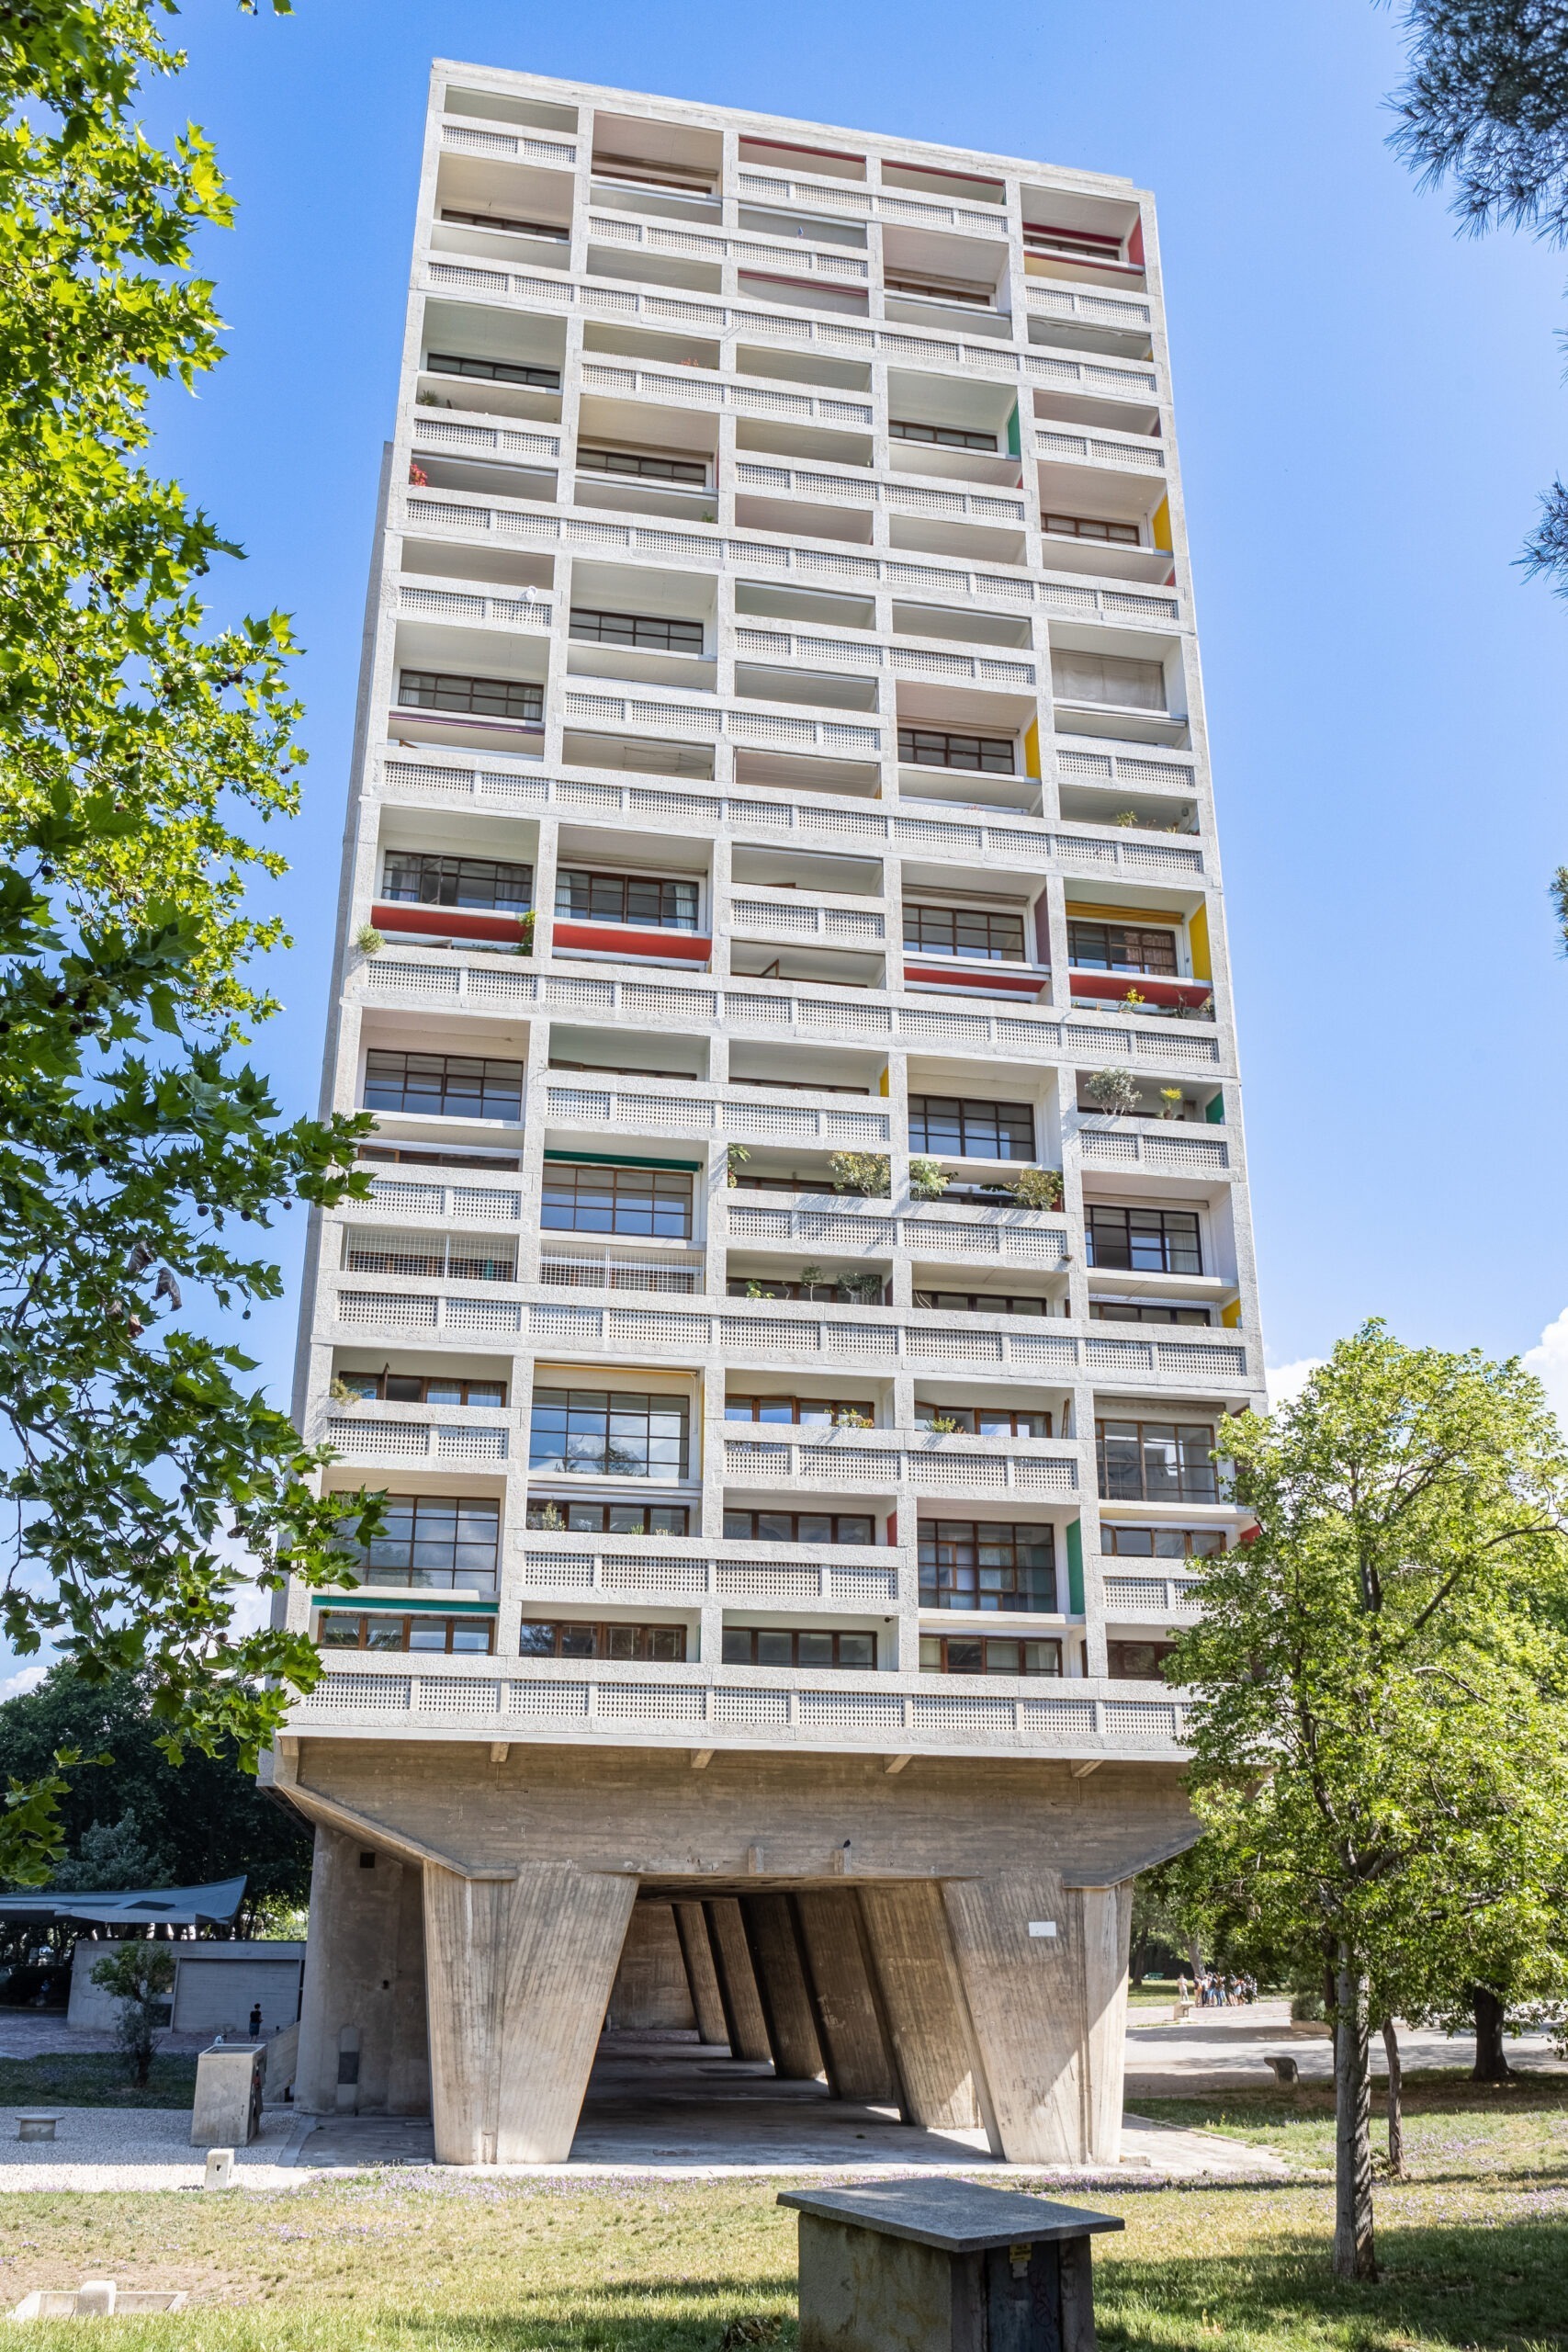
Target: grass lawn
x,y
95,2078
1474,2252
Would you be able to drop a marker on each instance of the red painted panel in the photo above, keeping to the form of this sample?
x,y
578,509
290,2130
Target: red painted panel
x,y
610,939
971,976
1113,987
446,923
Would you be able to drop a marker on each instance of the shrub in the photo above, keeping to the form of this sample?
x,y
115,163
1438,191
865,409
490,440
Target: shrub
x,y
1114,1091
928,1181
869,1173
1037,1187
139,1975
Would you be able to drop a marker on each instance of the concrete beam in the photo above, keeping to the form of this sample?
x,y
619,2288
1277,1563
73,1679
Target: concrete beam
x,y
520,1974
922,1998
848,2025
746,2028
702,1977
780,1981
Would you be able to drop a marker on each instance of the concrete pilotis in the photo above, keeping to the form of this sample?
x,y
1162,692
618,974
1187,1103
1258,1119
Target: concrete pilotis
x,y
702,1977
520,1970
922,2000
1106,1933
745,2025
652,1994
1017,1940
848,2025
780,1983
362,2038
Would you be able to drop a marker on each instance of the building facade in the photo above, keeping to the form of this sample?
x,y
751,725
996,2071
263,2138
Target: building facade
x,y
783,945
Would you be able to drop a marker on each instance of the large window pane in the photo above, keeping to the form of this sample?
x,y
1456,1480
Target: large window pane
x,y
609,1433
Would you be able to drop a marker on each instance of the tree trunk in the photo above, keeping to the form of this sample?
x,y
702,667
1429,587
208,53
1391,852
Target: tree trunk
x,y
1353,2254
1195,1957
1490,2061
1396,2107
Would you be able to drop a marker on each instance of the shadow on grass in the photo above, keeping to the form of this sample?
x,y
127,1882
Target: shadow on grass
x,y
1497,2289
95,2078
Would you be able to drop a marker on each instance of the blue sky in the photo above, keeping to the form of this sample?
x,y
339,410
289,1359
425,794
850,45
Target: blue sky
x,y
1367,408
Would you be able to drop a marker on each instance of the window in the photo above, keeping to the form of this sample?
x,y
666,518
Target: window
x,y
1138,1661
644,466
579,1198
1161,1543
943,437
788,1645
1147,1461
985,1421
649,633
942,289
650,1644
550,229
479,1163
494,371
448,1086
1142,1241
1086,245
609,1433
796,1410
966,1654
978,1302
1091,526
441,1540
515,698
608,1519
963,930
969,1129
413,878
1120,947
626,898
379,1629
799,1527
935,747
423,1388
850,1290
987,1564
1127,1310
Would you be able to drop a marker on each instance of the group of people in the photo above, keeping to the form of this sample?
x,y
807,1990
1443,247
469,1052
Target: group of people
x,y
1217,1990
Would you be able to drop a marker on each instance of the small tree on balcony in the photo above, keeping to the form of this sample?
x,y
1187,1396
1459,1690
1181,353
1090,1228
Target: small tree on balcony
x,y
1037,1187
928,1179
868,1172
1114,1091
1380,1742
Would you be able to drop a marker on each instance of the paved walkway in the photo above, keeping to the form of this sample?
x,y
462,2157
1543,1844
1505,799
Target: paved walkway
x,y
665,2108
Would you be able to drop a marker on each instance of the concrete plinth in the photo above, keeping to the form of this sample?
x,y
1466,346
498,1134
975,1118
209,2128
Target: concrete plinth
x,y
228,2106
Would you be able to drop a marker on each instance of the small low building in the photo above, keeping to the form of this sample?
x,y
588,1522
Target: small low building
x,y
217,1983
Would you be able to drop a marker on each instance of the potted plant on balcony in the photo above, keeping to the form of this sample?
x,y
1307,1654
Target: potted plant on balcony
x,y
526,933
735,1159
867,1173
1037,1187
1172,1102
1114,1091
928,1179
369,940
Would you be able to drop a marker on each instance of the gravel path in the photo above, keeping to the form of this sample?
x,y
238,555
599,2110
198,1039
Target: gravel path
x,y
138,2147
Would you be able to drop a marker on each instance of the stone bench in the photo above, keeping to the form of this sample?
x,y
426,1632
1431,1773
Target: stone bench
x,y
943,2266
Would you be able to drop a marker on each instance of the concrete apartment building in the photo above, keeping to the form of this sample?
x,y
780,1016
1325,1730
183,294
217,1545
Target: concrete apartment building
x,y
782,942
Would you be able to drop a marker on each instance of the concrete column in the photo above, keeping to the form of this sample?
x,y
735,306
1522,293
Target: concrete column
x,y
848,2025
922,2000
780,1981
745,2027
702,1977
520,1971
650,1993
1018,1938
1107,1931
362,2022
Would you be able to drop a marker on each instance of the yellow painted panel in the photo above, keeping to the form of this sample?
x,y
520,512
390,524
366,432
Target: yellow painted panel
x,y
1197,937
1231,1315
885,1088
1161,526
1169,916
1031,749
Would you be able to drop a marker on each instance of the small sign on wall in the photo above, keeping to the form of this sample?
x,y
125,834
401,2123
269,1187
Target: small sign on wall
x,y
1043,1927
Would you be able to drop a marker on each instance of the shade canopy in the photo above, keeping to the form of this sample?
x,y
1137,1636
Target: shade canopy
x,y
136,1906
